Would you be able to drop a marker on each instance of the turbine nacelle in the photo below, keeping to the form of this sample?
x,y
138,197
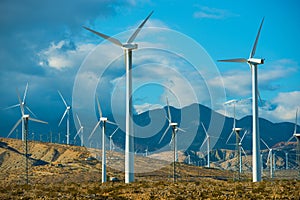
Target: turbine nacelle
x,y
103,119
173,124
129,46
25,116
68,107
255,61
237,129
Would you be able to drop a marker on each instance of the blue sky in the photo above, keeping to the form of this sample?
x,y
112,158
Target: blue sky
x,y
44,44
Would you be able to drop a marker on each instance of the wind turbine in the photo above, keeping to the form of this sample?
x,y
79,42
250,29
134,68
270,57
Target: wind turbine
x,y
207,140
104,120
253,63
297,136
128,47
22,105
24,119
67,111
80,131
175,128
111,140
269,158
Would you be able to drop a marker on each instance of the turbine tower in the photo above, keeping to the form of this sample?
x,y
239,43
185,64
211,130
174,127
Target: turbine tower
x,y
80,131
104,120
67,111
128,47
22,105
253,63
175,128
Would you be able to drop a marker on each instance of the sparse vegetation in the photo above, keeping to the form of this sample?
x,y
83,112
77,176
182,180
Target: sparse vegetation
x,y
75,178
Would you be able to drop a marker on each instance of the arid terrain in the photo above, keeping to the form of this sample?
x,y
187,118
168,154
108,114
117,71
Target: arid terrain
x,y
59,171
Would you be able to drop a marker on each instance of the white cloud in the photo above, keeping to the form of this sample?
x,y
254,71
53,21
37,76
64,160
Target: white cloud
x,y
146,107
64,54
212,13
287,103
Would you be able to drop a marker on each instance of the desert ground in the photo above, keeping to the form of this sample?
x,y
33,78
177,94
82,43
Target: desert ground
x,y
59,171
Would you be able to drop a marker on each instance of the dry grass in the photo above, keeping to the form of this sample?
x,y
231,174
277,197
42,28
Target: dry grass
x,y
77,178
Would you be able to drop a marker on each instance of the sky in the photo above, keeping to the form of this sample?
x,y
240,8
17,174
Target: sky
x,y
44,44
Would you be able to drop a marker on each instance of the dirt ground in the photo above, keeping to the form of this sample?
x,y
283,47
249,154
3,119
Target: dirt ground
x,y
67,172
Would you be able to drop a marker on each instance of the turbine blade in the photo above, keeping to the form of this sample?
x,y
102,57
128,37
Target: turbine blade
x,y
63,116
25,93
259,97
244,151
13,106
61,96
265,143
99,107
244,135
78,120
133,36
92,133
234,122
204,129
268,158
180,129
238,60
111,39
110,122
229,136
203,142
162,137
295,129
21,104
290,139
77,132
15,126
114,132
30,111
169,112
37,120
256,40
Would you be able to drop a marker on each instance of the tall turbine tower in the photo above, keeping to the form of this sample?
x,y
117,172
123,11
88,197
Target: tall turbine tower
x,y
104,120
128,47
253,62
67,111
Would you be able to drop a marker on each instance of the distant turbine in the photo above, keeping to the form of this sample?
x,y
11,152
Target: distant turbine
x,y
269,159
80,131
128,47
238,141
67,111
111,140
207,140
297,136
22,105
25,118
254,62
104,120
175,128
